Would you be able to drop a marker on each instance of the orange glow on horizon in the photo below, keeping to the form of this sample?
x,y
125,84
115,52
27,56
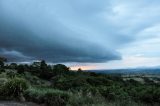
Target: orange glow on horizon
x,y
83,67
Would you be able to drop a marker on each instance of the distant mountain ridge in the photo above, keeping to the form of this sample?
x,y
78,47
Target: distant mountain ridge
x,y
129,71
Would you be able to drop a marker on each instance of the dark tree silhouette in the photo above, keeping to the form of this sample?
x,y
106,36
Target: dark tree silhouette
x,y
2,60
43,65
79,69
60,69
45,70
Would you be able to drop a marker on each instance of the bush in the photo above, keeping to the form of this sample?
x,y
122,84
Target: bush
x,y
35,95
49,96
114,92
57,98
1,70
3,81
86,99
15,87
11,74
34,80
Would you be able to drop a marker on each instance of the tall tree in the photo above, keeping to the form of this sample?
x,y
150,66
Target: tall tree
x,y
45,70
2,60
43,65
60,69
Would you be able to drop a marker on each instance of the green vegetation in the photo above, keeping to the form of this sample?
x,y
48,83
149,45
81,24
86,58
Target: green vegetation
x,y
2,60
59,86
49,96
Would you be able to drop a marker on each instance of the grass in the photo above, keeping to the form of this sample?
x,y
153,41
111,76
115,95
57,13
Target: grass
x,y
49,96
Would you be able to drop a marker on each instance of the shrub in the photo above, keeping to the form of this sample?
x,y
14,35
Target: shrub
x,y
3,75
15,87
11,74
82,99
57,98
34,80
35,95
1,70
49,96
114,92
3,81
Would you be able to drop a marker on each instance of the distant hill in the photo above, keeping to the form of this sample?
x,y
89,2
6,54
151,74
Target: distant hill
x,y
129,71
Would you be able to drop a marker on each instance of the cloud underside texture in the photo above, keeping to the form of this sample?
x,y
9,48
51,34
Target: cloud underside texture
x,y
31,30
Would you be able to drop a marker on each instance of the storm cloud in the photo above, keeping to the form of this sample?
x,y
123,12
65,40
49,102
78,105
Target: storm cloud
x,y
84,31
57,31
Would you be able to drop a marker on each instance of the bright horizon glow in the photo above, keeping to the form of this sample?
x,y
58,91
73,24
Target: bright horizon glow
x,y
83,67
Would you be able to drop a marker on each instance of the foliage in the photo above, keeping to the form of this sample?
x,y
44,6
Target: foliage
x,y
58,85
13,66
15,87
21,69
82,98
49,96
60,69
3,81
1,70
2,60
11,74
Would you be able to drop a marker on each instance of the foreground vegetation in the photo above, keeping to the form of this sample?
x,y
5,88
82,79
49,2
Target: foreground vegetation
x,y
59,86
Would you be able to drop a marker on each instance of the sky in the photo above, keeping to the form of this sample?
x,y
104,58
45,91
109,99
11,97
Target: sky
x,y
91,34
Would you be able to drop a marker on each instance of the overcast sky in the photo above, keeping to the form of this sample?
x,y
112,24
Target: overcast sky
x,y
93,34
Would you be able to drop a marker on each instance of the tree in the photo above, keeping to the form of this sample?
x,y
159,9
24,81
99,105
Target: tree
x,y
20,69
43,65
45,71
13,66
60,69
2,60
79,70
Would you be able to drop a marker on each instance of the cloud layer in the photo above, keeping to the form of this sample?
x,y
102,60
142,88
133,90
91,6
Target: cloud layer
x,y
51,30
79,31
